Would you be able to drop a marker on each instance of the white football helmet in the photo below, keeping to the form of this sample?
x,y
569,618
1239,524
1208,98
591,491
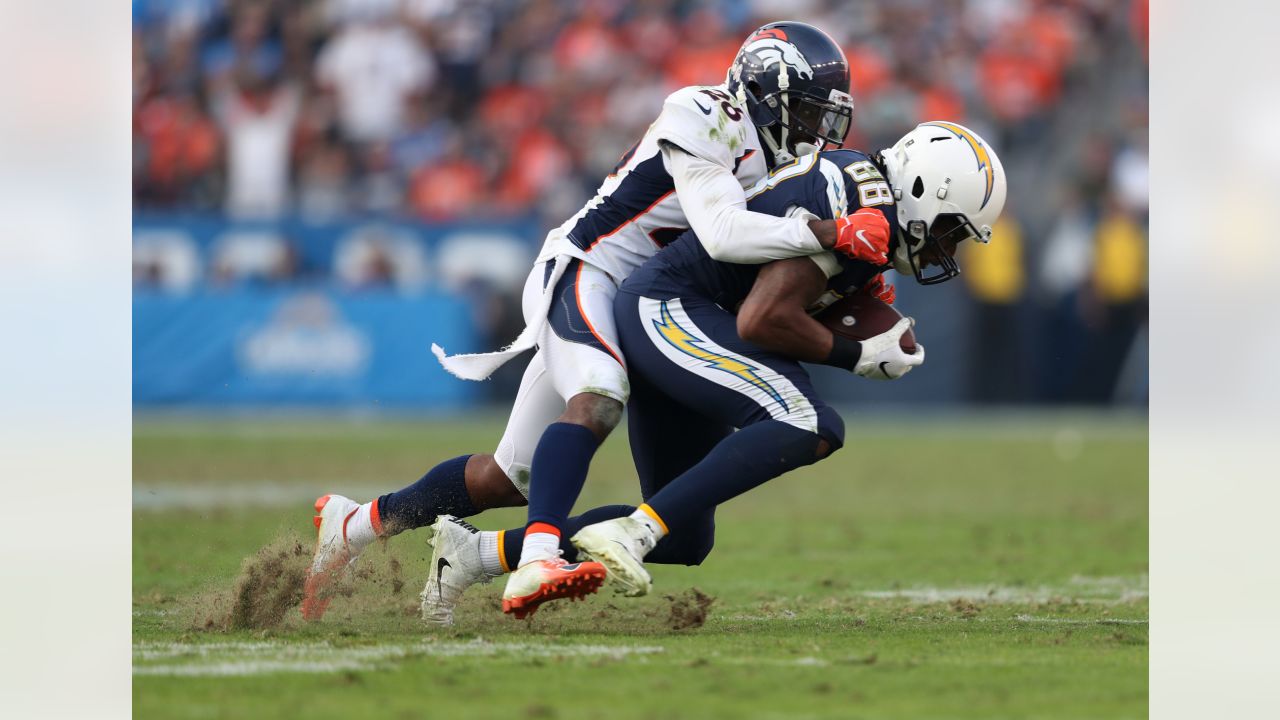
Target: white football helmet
x,y
949,186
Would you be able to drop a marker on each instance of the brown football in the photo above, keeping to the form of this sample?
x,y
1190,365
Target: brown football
x,y
860,316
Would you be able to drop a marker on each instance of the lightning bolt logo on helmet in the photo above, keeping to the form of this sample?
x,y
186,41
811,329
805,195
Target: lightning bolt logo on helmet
x,y
979,153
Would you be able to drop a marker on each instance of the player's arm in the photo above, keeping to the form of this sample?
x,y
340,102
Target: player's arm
x,y
773,315
716,207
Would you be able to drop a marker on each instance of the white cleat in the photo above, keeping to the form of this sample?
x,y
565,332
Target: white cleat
x,y
620,545
455,566
332,556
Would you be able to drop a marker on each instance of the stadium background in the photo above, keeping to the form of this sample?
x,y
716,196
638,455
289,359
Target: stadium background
x,y
322,189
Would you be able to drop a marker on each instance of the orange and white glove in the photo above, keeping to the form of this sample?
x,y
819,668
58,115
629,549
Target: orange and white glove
x,y
864,236
879,289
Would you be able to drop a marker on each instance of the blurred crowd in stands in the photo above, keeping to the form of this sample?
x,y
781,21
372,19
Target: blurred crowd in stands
x,y
442,110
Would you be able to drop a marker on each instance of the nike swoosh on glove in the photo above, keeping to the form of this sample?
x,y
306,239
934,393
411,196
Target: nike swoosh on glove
x,y
864,236
877,288
883,359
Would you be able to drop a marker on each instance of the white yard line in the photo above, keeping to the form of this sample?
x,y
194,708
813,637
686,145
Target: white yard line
x,y
1080,621
258,658
1091,590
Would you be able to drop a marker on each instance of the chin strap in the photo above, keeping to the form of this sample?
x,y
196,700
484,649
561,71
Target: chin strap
x,y
781,156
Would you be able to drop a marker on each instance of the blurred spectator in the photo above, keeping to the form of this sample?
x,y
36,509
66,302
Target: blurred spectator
x,y
258,116
1131,175
252,257
165,260
996,277
379,256
452,187
379,189
1016,78
374,67
1116,301
585,49
1066,262
249,48
704,53
323,192
421,141
175,151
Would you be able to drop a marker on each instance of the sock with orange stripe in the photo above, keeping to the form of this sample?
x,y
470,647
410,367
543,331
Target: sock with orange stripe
x,y
541,542
513,539
646,516
557,474
491,560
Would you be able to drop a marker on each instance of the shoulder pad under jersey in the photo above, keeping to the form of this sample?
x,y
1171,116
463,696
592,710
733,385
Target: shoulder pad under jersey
x,y
704,121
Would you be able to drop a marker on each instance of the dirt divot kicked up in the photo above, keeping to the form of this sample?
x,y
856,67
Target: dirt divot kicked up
x,y
268,587
689,610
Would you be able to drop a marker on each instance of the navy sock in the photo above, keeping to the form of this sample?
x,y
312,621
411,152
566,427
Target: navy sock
x,y
558,472
442,491
513,539
750,457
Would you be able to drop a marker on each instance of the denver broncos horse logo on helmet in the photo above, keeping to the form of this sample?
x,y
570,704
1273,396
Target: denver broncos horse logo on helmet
x,y
772,47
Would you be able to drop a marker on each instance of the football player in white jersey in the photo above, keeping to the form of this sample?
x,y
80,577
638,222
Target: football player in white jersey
x,y
786,95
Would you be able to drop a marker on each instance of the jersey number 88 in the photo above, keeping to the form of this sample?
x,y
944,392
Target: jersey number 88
x,y
872,188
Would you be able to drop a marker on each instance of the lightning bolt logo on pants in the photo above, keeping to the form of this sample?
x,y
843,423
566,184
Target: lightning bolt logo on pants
x,y
686,342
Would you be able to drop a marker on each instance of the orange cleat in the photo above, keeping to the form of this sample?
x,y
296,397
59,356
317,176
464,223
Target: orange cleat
x,y
543,580
332,555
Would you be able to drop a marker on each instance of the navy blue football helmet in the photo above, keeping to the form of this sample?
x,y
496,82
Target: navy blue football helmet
x,y
794,81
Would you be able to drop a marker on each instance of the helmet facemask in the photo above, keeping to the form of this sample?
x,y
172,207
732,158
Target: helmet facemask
x,y
801,122
934,244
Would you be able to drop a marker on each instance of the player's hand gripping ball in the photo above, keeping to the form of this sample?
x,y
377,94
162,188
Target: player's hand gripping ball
x,y
861,316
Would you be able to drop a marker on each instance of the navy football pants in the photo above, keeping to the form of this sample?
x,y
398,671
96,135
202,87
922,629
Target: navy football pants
x,y
693,380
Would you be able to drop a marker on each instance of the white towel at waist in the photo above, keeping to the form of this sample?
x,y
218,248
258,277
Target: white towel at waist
x,y
479,366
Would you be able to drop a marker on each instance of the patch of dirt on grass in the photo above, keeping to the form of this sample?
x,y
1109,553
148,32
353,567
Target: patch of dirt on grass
x,y
268,587
689,610
966,608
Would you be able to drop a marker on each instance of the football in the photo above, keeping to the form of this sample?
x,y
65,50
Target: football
x,y
860,316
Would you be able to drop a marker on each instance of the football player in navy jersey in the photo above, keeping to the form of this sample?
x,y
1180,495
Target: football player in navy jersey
x,y
720,402
785,96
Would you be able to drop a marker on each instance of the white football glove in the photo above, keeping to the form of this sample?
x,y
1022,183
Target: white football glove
x,y
883,359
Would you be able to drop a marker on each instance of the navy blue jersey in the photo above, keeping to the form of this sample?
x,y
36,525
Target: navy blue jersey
x,y
830,185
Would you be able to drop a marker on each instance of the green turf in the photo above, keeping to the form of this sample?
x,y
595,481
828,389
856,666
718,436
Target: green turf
x,y
982,568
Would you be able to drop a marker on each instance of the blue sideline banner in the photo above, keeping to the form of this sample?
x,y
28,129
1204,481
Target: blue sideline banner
x,y
298,347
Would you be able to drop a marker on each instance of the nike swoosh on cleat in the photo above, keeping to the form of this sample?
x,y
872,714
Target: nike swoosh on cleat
x,y
440,566
705,110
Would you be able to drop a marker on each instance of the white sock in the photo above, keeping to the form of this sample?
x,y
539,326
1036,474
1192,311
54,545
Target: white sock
x,y
650,522
360,528
490,557
539,546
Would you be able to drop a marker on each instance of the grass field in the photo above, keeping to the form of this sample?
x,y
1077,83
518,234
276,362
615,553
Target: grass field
x,y
979,568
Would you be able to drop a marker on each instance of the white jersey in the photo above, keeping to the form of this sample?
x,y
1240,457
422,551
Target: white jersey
x,y
636,212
